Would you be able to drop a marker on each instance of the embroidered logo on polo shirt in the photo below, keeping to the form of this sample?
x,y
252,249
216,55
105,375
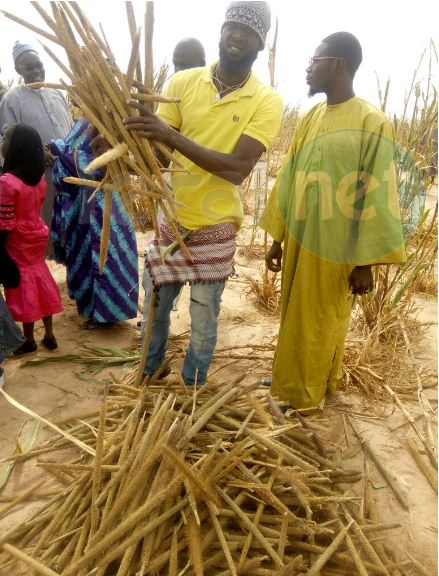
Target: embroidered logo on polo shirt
x,y
236,118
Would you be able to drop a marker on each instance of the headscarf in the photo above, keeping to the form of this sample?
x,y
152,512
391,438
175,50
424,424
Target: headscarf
x,y
255,15
25,155
20,49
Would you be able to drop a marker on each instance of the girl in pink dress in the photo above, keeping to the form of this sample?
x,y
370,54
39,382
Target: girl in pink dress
x,y
22,191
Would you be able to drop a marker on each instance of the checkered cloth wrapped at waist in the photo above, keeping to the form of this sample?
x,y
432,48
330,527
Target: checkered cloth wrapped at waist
x,y
212,249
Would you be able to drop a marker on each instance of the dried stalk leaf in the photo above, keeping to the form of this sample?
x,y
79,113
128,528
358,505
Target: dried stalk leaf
x,y
42,420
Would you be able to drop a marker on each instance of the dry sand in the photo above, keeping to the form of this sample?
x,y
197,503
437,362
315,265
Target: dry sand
x,y
55,392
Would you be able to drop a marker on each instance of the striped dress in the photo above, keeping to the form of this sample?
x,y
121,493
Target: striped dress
x,y
76,231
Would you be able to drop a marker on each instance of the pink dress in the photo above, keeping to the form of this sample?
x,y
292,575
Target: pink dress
x,y
37,294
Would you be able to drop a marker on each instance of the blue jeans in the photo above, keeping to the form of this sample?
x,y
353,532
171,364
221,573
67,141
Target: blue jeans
x,y
10,336
205,300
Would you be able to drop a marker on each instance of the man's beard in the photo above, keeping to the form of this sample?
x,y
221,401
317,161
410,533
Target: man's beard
x,y
243,64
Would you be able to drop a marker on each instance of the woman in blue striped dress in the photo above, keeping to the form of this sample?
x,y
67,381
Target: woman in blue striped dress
x,y
76,231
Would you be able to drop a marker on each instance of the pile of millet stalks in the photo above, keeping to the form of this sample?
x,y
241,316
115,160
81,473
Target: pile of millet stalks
x,y
184,481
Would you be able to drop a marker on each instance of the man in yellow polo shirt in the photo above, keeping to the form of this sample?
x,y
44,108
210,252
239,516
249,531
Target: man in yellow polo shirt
x,y
225,120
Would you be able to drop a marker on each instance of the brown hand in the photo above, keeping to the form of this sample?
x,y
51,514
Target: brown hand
x,y
361,280
148,125
273,259
48,158
99,145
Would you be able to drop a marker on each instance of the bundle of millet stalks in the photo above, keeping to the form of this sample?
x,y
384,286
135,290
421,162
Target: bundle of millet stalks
x,y
103,93
207,481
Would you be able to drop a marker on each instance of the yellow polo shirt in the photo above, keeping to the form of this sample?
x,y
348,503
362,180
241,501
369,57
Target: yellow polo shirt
x,y
255,110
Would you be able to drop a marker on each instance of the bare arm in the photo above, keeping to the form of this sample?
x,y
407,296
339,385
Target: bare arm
x,y
233,167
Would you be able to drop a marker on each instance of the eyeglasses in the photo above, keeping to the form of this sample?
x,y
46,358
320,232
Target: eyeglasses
x,y
30,67
317,58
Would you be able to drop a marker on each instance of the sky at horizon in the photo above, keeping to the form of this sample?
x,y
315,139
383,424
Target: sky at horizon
x,y
393,39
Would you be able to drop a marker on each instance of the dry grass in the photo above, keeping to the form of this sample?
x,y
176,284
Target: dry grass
x,y
252,251
424,242
254,195
281,144
252,242
381,352
246,194
254,192
264,291
369,361
426,283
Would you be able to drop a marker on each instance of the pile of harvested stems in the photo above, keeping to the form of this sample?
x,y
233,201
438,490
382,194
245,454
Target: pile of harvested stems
x,y
216,481
103,92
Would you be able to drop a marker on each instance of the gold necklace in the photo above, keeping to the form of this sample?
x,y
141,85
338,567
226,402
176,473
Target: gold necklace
x,y
225,87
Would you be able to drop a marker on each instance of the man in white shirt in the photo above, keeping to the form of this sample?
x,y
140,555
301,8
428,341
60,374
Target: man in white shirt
x,y
44,109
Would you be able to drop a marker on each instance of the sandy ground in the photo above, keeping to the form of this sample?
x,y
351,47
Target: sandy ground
x,y
55,392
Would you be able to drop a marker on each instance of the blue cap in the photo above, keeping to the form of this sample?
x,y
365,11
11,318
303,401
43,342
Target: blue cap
x,y
20,49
